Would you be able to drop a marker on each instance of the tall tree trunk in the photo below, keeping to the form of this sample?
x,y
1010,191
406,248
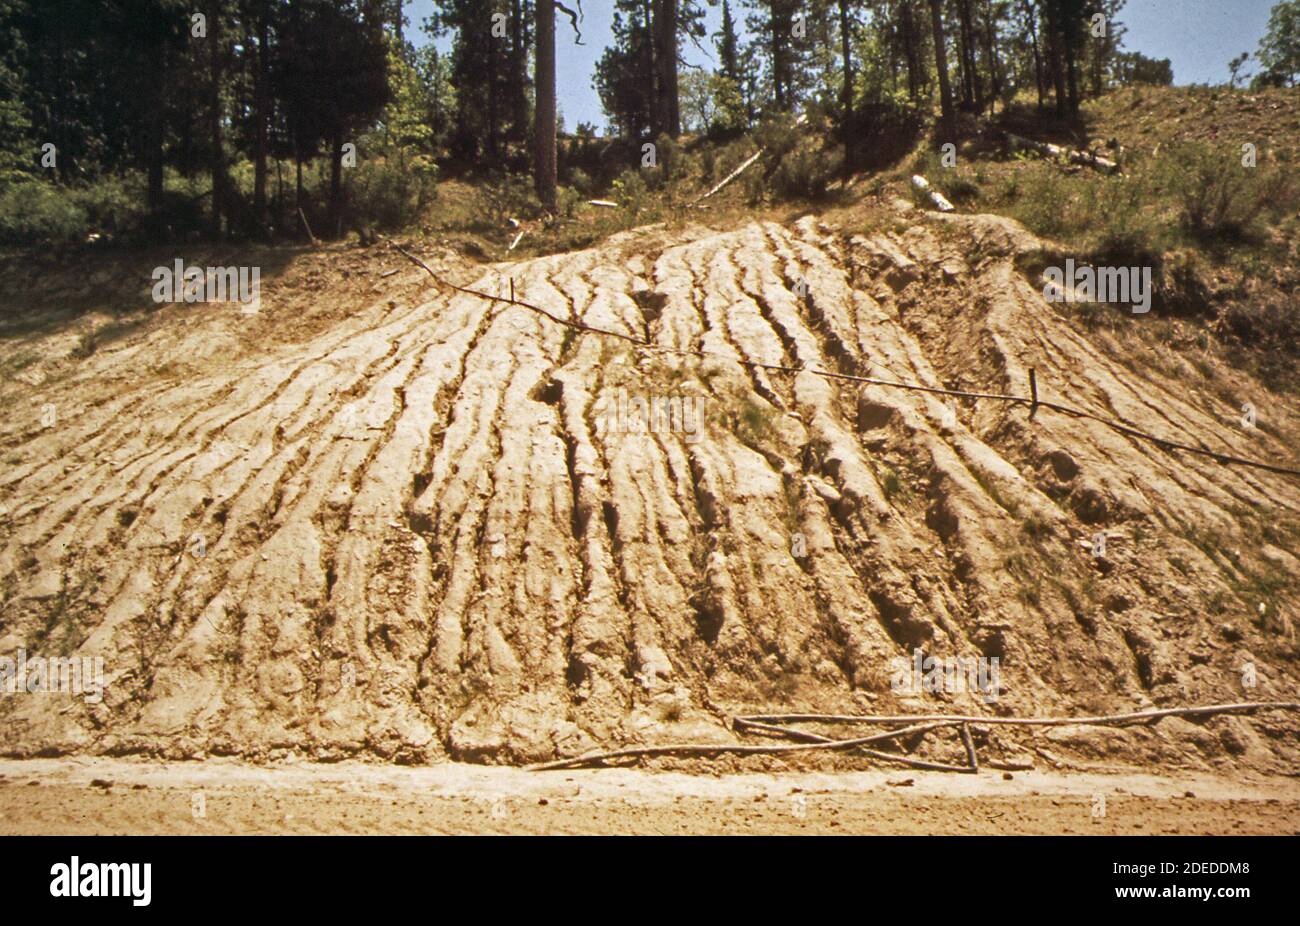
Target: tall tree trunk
x,y
846,54
908,23
781,24
665,33
1031,16
651,70
947,108
518,73
970,44
261,114
544,172
1055,57
991,52
336,186
155,141
966,70
493,92
218,165
1072,76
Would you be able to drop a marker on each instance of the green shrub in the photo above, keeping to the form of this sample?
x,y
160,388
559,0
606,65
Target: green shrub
x,y
630,191
389,194
37,212
803,173
1048,202
1216,195
508,197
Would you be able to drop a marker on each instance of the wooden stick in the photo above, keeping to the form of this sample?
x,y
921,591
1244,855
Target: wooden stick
x,y
1021,766
307,225
970,748
741,169
708,749
526,305
1101,720
805,736
730,177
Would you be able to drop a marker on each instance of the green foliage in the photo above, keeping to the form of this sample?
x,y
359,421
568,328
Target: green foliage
x,y
1279,50
1135,68
38,212
16,151
804,173
626,89
631,192
505,197
712,104
1217,196
392,193
489,73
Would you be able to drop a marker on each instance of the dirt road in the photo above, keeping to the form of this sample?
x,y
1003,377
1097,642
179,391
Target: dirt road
x,y
98,796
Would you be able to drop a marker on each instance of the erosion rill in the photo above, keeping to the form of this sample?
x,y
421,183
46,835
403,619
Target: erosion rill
x,y
425,532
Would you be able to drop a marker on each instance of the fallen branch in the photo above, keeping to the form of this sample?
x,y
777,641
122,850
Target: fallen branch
x,y
1099,720
1087,158
508,301
731,176
741,169
709,749
807,737
970,748
808,741
302,215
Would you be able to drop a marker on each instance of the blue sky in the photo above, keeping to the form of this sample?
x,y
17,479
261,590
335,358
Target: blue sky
x,y
1200,37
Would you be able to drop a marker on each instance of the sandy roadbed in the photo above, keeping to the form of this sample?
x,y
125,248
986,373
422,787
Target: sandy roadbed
x,y
114,796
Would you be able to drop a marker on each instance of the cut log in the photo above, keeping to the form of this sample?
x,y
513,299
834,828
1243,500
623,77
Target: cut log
x,y
1087,158
935,197
602,203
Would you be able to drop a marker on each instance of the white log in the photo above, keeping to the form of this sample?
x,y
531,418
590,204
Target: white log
x,y
934,195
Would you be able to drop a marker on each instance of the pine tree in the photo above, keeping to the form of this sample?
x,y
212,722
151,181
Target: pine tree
x,y
544,141
948,107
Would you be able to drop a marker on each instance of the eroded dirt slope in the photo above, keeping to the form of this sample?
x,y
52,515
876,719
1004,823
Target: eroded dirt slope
x,y
423,532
